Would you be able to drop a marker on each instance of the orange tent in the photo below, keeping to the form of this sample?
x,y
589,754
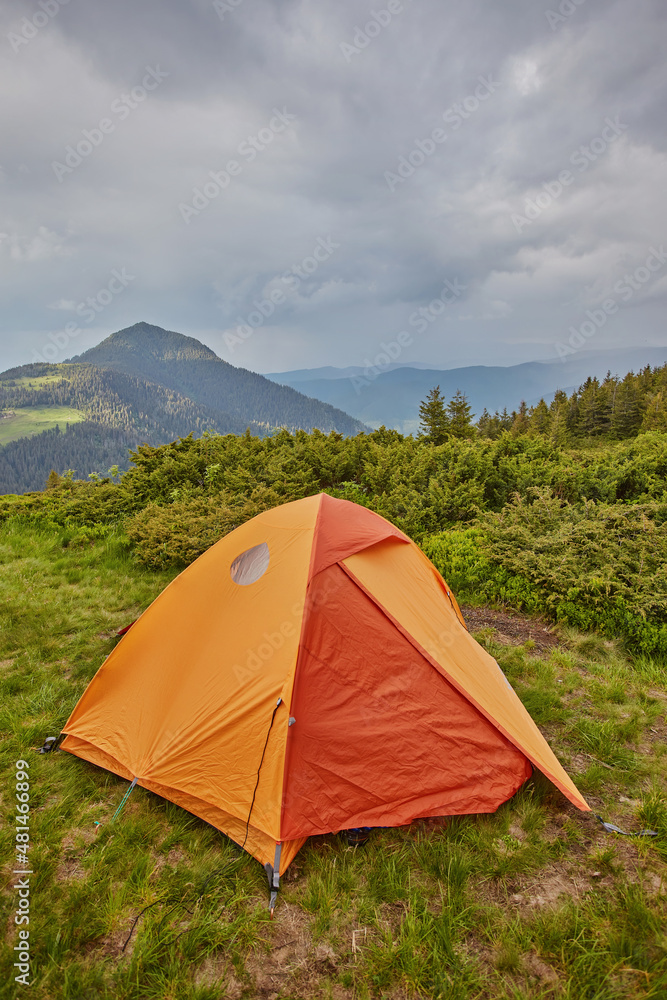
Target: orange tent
x,y
311,672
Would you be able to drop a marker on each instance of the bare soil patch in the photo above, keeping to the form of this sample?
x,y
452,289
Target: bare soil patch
x,y
74,845
290,957
511,628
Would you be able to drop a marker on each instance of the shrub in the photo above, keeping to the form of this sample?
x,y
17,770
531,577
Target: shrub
x,y
177,534
596,566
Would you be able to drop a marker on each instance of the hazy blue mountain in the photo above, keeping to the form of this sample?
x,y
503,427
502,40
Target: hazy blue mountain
x,y
328,371
392,396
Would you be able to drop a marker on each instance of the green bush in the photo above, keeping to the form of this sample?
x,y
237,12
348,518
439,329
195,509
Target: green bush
x,y
578,534
421,487
176,534
598,567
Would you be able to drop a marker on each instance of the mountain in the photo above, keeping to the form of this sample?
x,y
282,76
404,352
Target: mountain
x,y
146,384
143,384
329,372
141,348
79,417
391,396
193,370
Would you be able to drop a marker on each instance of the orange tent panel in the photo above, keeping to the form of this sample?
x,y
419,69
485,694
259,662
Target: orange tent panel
x,y
184,702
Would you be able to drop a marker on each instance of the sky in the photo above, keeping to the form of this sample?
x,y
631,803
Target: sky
x,y
301,183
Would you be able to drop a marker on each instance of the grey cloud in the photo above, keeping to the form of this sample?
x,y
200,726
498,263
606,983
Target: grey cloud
x,y
356,117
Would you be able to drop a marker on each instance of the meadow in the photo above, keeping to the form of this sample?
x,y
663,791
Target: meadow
x,y
29,420
534,901
559,554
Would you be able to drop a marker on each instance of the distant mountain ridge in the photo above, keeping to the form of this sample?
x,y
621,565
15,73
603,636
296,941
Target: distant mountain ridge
x,y
391,396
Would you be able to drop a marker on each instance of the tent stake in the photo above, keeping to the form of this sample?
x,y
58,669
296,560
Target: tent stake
x,y
124,798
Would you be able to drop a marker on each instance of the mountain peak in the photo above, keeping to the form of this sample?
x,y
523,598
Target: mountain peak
x,y
147,342
188,367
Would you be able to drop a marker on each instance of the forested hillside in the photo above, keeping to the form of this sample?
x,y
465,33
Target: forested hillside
x,y
117,400
150,386
120,412
188,367
80,447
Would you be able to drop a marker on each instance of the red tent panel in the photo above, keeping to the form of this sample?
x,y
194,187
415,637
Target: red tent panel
x,y
380,737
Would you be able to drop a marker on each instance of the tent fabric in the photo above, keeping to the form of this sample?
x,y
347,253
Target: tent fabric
x,y
409,588
339,534
388,709
409,744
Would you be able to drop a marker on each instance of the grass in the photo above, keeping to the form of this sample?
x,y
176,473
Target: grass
x,y
26,382
27,421
534,901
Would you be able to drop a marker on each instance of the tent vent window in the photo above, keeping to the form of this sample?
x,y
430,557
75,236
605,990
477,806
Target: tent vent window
x,y
250,565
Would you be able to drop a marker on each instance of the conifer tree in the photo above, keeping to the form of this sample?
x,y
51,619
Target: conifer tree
x,y
506,420
655,414
559,410
540,419
628,412
434,423
588,417
460,416
655,418
492,427
520,421
485,424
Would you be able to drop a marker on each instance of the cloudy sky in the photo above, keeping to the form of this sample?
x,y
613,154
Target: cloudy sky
x,y
311,182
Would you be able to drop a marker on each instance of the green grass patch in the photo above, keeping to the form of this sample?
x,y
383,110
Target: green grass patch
x,y
531,902
35,382
27,421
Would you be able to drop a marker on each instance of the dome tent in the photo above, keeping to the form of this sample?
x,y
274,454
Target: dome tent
x,y
310,672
